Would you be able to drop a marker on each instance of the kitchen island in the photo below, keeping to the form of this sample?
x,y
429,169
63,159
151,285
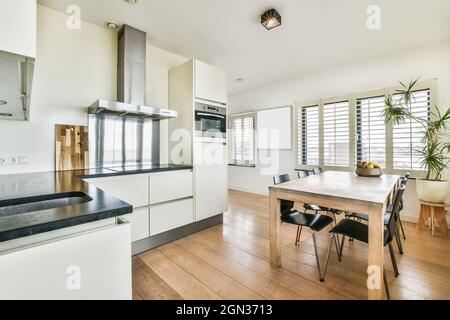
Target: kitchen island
x,y
62,237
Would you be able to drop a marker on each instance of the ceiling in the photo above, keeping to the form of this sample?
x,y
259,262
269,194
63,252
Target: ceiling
x,y
315,35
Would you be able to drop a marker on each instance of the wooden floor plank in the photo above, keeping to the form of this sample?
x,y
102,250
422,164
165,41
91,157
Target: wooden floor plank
x,y
148,285
263,286
188,287
216,280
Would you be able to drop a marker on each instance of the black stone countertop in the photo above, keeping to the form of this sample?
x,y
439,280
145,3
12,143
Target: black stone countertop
x,y
16,190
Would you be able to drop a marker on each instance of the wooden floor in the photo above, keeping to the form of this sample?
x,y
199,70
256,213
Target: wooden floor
x,y
231,261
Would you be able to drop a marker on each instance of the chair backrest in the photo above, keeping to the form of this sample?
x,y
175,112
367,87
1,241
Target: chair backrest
x,y
317,170
286,205
404,180
303,173
281,179
395,213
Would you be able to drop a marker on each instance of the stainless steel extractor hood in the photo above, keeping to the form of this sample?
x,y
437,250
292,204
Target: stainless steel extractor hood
x,y
131,81
16,76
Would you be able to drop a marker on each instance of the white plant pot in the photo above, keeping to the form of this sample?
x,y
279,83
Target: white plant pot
x,y
432,191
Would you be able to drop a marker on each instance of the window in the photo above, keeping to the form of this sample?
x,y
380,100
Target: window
x,y
407,137
370,130
336,134
243,139
339,132
308,135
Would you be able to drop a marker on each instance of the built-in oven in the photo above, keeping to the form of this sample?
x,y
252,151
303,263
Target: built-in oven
x,y
210,121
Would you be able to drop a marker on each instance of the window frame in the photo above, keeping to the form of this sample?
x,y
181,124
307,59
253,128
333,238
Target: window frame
x,y
297,107
231,118
352,98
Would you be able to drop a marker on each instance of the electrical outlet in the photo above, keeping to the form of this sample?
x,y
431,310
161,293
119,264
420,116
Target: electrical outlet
x,y
23,160
11,161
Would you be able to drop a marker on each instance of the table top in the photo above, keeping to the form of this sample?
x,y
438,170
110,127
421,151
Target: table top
x,y
343,186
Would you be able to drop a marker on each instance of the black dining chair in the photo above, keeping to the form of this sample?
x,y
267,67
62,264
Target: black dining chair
x,y
303,174
315,222
317,170
360,231
389,210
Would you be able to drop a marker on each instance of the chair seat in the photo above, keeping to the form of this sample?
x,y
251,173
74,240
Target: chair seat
x,y
314,207
354,230
365,217
314,221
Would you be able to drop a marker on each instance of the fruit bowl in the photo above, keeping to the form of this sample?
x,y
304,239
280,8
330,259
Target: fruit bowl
x,y
369,169
366,172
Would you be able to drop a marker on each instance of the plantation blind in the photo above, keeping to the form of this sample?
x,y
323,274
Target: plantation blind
x,y
308,135
243,139
407,136
370,130
336,142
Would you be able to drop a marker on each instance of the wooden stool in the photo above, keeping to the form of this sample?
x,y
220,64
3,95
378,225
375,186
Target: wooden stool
x,y
434,212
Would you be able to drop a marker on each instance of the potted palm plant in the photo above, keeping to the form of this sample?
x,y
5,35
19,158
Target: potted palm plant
x,y
435,152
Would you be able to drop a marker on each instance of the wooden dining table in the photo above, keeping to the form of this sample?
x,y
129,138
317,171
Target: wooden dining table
x,y
344,191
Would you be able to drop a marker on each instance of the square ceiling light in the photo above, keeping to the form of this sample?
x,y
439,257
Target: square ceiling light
x,y
271,19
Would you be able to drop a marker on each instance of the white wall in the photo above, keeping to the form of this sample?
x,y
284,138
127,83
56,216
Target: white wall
x,y
73,69
429,63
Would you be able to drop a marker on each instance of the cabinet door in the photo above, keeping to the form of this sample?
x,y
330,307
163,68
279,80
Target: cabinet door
x,y
168,216
90,265
140,223
167,186
210,83
18,27
211,180
131,189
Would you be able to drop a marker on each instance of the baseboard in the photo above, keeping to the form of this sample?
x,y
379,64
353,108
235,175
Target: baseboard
x,y
175,234
248,190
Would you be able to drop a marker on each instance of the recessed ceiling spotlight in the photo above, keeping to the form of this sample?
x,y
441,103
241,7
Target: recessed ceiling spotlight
x,y
271,19
131,1
239,80
112,25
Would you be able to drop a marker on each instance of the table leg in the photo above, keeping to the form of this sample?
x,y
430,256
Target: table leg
x,y
376,253
274,230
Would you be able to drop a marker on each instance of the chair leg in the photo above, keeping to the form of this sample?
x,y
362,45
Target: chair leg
x,y
386,287
317,255
332,239
394,261
337,245
335,223
398,238
299,233
342,248
401,227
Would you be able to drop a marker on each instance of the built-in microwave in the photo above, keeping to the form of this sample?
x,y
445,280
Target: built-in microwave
x,y
210,121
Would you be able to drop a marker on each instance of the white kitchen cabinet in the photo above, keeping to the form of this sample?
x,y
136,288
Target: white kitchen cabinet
x,y
18,27
132,189
171,215
167,186
211,185
63,265
140,223
210,83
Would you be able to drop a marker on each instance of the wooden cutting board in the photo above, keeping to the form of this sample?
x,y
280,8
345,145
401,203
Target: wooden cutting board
x,y
71,147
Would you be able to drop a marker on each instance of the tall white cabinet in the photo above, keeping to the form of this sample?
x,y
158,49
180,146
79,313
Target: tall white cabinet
x,y
18,27
191,83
